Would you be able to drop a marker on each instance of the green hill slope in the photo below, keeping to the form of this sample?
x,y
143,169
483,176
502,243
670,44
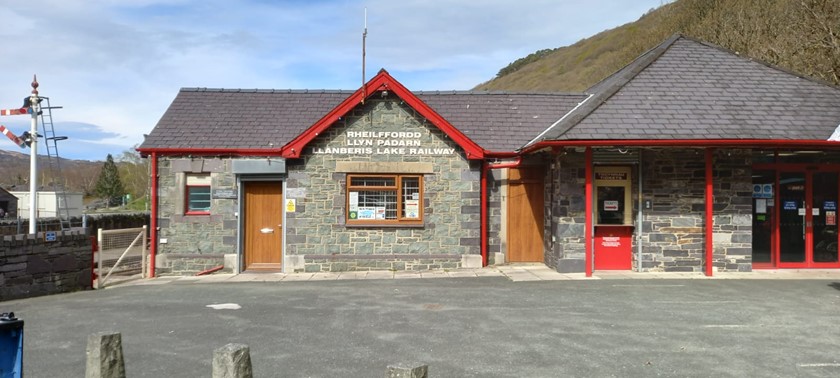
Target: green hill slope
x,y
800,35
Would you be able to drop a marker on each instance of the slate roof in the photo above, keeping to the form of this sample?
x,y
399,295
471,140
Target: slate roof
x,y
686,89
499,121
202,118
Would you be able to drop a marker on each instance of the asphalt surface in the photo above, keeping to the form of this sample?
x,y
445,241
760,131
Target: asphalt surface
x,y
470,327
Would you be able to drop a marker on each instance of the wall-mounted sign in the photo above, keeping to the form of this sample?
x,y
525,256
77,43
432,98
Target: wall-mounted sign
x,y
224,193
613,176
830,218
49,236
830,205
291,205
762,190
295,193
383,143
610,205
789,205
412,208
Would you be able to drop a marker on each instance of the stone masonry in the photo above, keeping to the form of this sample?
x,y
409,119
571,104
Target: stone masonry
x,y
451,204
673,229
31,266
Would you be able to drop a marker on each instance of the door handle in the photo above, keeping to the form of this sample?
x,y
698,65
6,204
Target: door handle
x,y
267,230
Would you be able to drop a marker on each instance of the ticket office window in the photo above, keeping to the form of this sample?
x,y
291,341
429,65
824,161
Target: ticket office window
x,y
384,199
612,196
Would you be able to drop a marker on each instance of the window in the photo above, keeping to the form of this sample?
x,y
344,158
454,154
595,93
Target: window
x,y
384,199
197,194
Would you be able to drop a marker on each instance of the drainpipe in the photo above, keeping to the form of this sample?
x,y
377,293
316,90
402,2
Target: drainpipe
x,y
485,171
154,225
641,220
587,233
710,202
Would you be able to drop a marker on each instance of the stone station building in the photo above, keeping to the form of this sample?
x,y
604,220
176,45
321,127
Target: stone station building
x,y
691,158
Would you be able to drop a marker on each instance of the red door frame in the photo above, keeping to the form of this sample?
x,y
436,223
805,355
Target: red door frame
x,y
808,170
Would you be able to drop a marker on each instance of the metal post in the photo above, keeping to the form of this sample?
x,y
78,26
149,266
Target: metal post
x,y
33,159
99,259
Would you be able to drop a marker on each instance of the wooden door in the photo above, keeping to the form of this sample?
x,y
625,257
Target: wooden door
x,y
525,215
263,228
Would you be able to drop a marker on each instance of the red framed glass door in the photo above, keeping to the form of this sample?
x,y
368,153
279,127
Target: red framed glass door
x,y
806,210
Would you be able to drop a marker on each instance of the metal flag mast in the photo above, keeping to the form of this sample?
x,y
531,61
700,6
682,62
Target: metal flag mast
x,y
34,107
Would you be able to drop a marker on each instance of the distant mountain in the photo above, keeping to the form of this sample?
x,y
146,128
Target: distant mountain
x,y
799,35
76,175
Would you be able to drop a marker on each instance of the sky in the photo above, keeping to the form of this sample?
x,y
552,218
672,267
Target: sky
x,y
114,66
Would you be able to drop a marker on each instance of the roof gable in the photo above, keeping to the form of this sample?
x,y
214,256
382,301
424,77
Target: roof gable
x,y
685,89
381,82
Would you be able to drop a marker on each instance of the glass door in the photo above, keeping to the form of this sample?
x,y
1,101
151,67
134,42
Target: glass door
x,y
792,214
808,231
824,217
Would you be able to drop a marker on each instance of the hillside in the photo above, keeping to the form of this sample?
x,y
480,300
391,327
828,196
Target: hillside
x,y
79,175
799,35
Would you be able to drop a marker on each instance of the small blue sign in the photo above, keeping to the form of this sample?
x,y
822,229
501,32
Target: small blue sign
x,y
763,191
789,205
49,236
830,205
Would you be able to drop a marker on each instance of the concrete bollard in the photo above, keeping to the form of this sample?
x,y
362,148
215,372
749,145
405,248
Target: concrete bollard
x,y
232,361
408,371
105,356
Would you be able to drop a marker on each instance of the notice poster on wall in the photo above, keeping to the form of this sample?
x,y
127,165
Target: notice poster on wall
x,y
761,206
412,208
380,213
367,213
830,218
354,201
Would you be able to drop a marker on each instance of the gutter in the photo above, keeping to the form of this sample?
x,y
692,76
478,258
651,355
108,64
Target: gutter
x,y
788,143
154,225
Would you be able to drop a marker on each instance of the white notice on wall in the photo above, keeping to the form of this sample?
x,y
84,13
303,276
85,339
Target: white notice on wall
x,y
802,211
815,211
761,206
367,213
380,213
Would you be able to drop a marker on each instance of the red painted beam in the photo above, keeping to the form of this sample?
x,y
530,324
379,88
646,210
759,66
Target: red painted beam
x,y
587,234
710,206
775,143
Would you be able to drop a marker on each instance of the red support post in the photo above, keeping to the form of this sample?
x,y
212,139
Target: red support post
x,y
587,235
710,205
154,217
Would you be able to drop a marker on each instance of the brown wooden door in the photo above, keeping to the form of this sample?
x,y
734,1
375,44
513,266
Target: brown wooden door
x,y
263,225
525,215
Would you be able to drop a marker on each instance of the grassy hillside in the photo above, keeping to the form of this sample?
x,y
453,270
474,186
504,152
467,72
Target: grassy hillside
x,y
799,35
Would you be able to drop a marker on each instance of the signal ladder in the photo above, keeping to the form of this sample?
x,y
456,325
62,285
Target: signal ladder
x,y
45,118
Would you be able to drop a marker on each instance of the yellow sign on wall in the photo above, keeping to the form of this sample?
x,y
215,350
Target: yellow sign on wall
x,y
290,205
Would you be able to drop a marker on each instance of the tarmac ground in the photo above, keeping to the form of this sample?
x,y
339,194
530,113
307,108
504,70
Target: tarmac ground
x,y
499,322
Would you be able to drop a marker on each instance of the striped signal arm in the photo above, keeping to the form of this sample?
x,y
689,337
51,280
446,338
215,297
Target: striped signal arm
x,y
8,112
12,136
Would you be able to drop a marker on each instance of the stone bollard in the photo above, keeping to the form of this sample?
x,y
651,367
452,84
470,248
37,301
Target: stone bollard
x,y
232,361
408,371
105,356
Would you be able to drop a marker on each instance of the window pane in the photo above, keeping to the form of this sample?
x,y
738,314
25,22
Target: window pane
x,y
373,181
411,197
378,204
198,198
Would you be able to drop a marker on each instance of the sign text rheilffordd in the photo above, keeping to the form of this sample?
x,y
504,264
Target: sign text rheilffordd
x,y
383,143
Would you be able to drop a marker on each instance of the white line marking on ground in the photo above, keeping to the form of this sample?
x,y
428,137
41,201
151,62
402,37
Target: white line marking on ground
x,y
225,306
834,364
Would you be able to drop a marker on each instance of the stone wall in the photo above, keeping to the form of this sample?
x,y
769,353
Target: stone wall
x,y
194,242
31,266
673,237
567,212
451,204
673,229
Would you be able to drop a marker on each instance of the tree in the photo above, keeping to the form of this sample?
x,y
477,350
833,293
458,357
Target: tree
x,y
109,186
